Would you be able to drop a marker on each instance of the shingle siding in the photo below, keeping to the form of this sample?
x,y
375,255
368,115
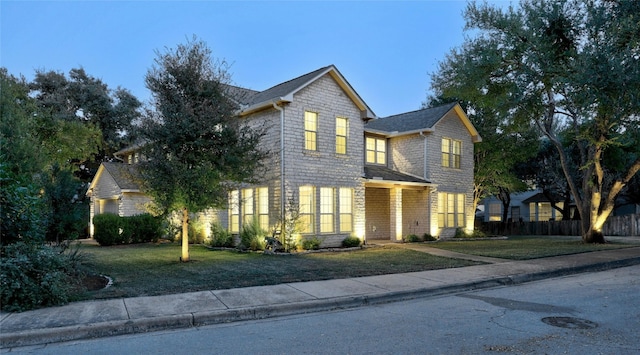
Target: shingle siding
x,y
407,154
451,180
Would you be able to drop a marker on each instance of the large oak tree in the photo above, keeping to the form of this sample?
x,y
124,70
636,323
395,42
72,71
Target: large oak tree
x,y
196,149
561,65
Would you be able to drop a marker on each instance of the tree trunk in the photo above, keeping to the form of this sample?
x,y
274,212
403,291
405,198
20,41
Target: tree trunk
x,y
593,236
185,236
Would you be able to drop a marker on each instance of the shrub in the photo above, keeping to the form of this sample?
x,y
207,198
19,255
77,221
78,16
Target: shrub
x,y
429,238
252,236
350,242
36,275
220,237
143,228
412,238
196,231
107,229
460,233
311,244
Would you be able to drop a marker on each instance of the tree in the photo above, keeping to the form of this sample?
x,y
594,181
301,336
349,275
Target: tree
x,y
561,65
196,148
84,102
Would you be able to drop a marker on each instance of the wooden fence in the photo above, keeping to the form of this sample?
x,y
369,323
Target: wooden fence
x,y
628,225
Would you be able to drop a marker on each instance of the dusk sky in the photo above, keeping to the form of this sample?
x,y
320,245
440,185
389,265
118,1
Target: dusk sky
x,y
386,50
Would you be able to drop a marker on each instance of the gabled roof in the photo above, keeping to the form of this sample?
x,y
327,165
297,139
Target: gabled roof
x,y
125,176
384,174
283,92
419,121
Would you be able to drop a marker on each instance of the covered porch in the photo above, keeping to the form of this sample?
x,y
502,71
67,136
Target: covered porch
x,y
396,205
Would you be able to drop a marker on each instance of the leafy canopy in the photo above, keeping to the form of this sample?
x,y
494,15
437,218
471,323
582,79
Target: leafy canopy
x,y
196,148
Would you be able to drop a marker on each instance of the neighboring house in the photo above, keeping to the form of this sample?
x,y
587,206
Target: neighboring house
x,y
527,206
114,190
348,172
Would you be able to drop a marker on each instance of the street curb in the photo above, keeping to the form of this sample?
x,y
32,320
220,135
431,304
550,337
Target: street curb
x,y
182,321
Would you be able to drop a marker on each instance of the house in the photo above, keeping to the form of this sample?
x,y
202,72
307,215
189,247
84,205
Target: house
x,y
527,206
346,170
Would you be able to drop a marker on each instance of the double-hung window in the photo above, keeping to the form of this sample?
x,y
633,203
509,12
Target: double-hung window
x,y
376,150
263,207
451,153
327,207
341,135
310,130
247,206
346,209
307,209
234,211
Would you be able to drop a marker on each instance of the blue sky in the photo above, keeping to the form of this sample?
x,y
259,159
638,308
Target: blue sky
x,y
385,49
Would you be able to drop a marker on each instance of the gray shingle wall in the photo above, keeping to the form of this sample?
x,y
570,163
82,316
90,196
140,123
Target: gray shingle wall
x,y
450,179
406,154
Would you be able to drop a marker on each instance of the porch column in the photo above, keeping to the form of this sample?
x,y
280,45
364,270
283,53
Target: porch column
x,y
395,220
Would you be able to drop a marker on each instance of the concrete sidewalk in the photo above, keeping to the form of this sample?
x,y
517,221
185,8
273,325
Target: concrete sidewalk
x,y
91,319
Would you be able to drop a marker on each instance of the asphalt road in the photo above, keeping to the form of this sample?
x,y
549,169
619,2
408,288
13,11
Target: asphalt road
x,y
597,313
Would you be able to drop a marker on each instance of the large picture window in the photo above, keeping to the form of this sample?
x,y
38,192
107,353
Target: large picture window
x,y
376,150
310,130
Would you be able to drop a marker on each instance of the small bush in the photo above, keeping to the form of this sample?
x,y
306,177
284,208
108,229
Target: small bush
x,y
460,233
311,244
252,236
429,238
107,229
350,242
220,237
37,275
196,231
412,238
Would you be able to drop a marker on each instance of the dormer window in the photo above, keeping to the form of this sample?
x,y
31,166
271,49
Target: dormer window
x,y
376,150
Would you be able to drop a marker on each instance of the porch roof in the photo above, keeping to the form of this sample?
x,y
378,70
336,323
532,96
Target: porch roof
x,y
384,174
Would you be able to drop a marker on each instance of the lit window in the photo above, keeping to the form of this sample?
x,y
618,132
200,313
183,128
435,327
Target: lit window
x,y
307,210
247,206
346,209
451,153
495,211
234,211
310,130
376,150
341,135
263,207
326,210
451,210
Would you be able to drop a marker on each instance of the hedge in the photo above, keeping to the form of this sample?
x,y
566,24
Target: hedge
x,y
111,229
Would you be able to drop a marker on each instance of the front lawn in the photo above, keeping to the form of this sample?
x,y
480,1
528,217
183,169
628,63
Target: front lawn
x,y
524,247
154,269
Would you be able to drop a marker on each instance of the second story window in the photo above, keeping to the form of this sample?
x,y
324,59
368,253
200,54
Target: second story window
x,y
451,153
341,135
376,150
310,130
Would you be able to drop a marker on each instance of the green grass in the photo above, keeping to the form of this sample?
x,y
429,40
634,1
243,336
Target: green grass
x,y
154,269
524,247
